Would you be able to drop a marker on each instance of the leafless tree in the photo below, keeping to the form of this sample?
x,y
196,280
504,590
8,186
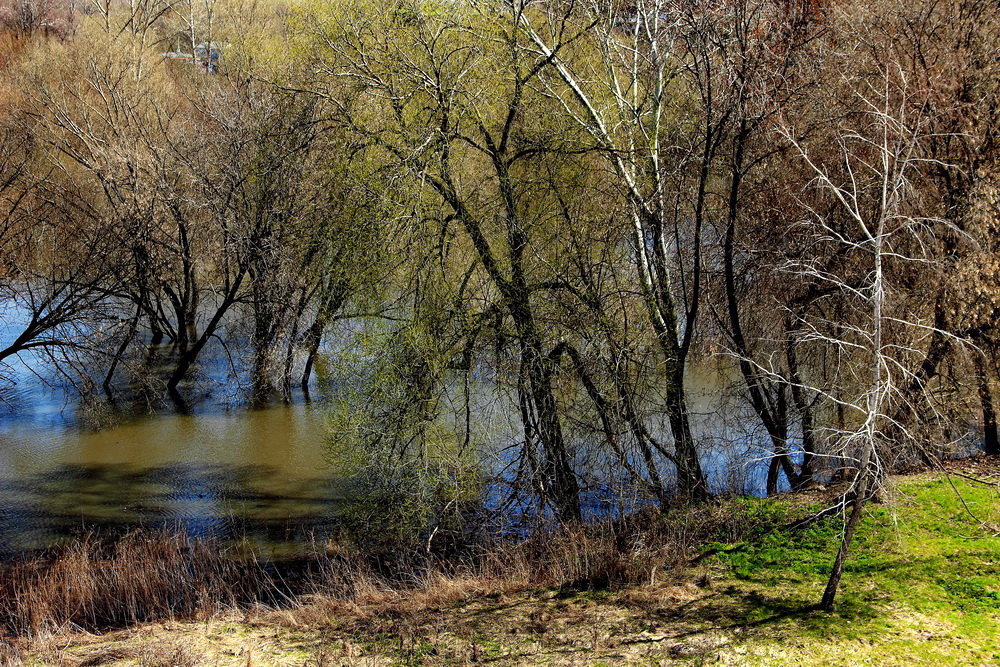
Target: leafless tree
x,y
624,105
879,221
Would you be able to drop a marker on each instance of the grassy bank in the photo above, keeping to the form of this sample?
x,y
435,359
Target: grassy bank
x,y
923,588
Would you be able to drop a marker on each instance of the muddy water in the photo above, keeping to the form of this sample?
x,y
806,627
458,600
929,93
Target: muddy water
x,y
260,475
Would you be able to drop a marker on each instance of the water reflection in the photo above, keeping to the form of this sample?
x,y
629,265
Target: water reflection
x,y
259,475
69,465
230,502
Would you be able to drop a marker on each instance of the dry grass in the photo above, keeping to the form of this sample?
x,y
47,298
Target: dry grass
x,y
95,584
98,584
11,47
642,549
148,655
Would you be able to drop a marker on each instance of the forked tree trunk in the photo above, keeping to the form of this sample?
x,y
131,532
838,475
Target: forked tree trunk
x,y
559,483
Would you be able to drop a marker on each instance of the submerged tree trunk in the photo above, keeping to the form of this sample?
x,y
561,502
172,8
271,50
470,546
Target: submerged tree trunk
x,y
558,478
767,397
624,412
654,273
691,482
330,304
189,356
120,353
804,408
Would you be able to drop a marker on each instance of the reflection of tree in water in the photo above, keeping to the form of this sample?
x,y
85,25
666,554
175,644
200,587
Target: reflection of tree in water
x,y
248,503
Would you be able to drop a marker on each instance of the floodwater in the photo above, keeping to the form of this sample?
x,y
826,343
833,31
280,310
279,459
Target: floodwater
x,y
259,475
223,470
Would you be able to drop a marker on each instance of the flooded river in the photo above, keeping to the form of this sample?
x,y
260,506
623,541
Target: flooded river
x,y
261,475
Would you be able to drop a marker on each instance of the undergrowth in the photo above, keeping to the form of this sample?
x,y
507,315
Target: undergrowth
x,y
922,585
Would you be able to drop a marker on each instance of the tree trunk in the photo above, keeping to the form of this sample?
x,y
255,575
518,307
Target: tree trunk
x,y
780,462
991,443
864,480
559,483
691,482
330,304
804,410
187,358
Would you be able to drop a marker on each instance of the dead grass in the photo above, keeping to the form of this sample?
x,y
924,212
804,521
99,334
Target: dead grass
x,y
148,655
94,585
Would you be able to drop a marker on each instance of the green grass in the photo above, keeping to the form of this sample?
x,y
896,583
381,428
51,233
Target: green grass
x,y
922,584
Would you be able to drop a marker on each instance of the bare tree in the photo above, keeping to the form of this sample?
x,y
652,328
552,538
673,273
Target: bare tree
x,y
54,272
878,220
436,127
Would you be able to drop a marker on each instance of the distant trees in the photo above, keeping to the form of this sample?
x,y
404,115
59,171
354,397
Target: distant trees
x,y
49,17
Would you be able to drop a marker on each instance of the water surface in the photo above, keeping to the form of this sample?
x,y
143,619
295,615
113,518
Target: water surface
x,y
223,470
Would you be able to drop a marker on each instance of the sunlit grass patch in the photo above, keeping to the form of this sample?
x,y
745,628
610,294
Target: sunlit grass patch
x,y
923,579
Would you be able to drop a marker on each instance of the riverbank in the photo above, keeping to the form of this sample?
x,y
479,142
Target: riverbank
x,y
922,588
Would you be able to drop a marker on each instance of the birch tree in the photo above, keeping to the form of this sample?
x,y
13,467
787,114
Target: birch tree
x,y
622,98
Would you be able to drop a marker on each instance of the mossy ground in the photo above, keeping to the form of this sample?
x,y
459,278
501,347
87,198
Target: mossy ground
x,y
922,587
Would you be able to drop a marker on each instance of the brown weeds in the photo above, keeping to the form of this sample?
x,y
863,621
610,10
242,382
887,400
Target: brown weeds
x,y
96,584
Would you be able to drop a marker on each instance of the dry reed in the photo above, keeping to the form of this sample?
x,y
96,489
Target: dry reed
x,y
97,584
